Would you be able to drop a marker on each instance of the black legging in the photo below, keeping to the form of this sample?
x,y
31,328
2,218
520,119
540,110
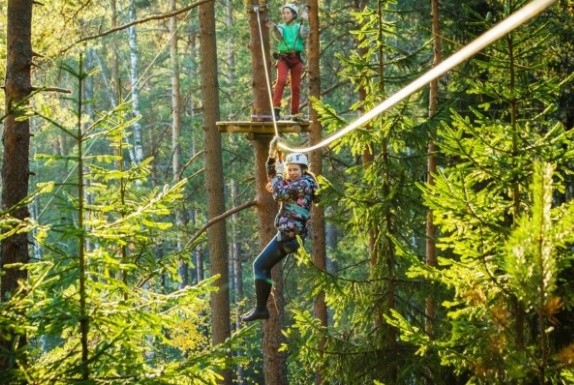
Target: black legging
x,y
272,254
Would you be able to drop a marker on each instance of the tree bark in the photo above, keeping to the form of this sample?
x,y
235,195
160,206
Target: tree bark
x,y
235,254
183,266
386,251
115,77
217,239
15,166
261,103
430,302
318,218
274,362
175,96
430,307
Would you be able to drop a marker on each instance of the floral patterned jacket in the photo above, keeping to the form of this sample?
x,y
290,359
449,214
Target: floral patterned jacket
x,y
295,199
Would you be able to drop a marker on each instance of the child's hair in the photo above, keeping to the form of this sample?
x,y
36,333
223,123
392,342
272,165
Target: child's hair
x,y
306,171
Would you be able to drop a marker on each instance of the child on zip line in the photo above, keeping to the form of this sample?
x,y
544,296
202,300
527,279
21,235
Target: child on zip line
x,y
295,192
291,35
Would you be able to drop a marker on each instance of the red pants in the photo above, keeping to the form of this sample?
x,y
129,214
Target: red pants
x,y
296,71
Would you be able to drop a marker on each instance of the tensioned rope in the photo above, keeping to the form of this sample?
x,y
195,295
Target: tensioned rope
x,y
269,91
512,22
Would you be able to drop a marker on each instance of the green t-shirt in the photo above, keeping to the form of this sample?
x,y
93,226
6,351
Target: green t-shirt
x,y
292,40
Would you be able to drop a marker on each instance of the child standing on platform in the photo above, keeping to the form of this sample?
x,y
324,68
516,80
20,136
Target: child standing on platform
x,y
291,35
295,192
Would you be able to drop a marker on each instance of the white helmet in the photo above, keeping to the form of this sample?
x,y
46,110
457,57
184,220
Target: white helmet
x,y
292,7
297,158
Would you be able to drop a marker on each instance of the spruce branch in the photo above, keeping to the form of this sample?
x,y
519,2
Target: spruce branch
x,y
52,89
218,218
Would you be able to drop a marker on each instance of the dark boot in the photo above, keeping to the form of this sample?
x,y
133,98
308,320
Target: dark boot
x,y
277,113
262,291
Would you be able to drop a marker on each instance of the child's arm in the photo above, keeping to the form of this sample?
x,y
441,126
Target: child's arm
x,y
274,168
277,30
304,29
283,191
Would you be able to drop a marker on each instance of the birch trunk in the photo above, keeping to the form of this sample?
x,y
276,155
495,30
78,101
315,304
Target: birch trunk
x,y
136,152
115,76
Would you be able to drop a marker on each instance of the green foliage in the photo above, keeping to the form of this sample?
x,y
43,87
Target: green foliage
x,y
494,282
484,206
504,245
101,265
376,211
502,239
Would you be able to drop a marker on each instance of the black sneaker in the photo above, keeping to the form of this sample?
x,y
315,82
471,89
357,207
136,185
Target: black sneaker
x,y
277,113
255,314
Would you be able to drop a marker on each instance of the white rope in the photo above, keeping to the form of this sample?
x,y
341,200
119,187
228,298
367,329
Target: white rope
x,y
263,54
518,18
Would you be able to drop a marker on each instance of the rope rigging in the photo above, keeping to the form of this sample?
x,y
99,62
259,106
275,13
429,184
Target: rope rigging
x,y
269,89
521,16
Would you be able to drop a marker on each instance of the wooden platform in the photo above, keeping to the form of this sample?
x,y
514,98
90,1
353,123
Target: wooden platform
x,y
263,128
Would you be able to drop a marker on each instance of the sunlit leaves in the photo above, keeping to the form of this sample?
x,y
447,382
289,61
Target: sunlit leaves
x,y
140,329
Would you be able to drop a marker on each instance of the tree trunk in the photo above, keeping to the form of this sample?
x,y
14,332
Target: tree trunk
x,y
217,240
430,306
274,362
115,76
519,311
175,96
236,271
137,151
235,255
197,273
387,249
15,166
318,218
261,103
183,268
430,302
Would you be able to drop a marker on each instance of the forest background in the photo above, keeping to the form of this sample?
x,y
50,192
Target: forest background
x,y
445,223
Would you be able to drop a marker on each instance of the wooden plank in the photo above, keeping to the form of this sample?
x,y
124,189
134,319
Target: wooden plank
x,y
263,128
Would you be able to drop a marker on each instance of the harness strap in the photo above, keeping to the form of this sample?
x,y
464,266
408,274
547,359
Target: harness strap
x,y
281,247
301,211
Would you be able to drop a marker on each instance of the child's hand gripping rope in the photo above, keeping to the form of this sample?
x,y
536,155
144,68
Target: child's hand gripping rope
x,y
273,148
276,155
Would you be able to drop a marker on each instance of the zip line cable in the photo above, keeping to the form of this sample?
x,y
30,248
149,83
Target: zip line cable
x,y
269,91
512,22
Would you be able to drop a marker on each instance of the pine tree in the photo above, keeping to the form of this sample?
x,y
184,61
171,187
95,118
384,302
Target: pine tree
x,y
500,236
377,215
15,168
95,306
